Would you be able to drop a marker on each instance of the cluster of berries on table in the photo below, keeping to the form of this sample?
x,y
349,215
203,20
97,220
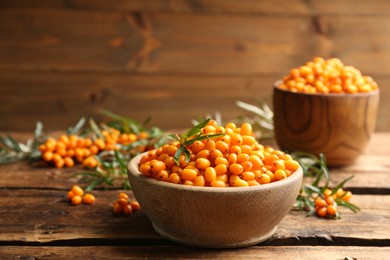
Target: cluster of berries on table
x,y
125,206
68,150
326,203
76,196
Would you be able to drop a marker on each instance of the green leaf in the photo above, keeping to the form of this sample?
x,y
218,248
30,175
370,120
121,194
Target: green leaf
x,y
309,189
341,184
203,137
95,128
76,129
349,205
173,137
194,131
37,135
178,153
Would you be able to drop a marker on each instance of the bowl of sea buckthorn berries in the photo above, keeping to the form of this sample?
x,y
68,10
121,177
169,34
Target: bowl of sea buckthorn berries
x,y
325,107
215,186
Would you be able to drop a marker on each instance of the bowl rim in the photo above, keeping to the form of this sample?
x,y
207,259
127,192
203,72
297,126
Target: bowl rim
x,y
132,169
359,94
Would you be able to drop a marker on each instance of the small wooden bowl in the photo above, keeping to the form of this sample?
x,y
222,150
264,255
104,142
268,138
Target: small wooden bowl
x,y
337,125
214,217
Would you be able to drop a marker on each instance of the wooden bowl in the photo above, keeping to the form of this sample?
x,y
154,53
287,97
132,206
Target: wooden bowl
x,y
337,125
214,217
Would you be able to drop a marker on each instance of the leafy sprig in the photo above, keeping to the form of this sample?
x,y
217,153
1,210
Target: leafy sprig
x,y
315,167
12,151
190,137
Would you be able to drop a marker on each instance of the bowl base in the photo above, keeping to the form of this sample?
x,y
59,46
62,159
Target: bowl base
x,y
214,244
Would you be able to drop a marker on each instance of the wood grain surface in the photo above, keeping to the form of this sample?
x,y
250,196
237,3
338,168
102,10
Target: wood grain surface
x,y
173,60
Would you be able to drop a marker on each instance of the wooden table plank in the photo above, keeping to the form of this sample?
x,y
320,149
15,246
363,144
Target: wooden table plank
x,y
45,216
184,252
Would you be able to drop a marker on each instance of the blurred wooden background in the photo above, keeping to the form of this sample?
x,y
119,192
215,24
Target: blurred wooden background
x,y
174,60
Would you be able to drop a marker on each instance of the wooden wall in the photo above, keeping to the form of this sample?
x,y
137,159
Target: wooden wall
x,y
174,60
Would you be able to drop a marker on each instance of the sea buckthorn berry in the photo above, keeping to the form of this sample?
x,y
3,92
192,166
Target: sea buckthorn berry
x,y
222,146
221,160
123,195
215,153
264,179
156,166
68,162
320,202
236,168
322,212
246,129
202,163
199,181
174,178
135,205
221,169
76,200
291,165
70,195
77,190
48,156
280,174
188,174
223,177
127,209
89,199
218,184
210,174
331,210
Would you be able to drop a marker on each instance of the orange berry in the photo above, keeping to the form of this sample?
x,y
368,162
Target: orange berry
x,y
60,163
246,129
77,190
202,163
70,195
68,162
135,205
123,195
331,210
89,199
188,174
76,200
322,212
47,156
236,168
117,208
210,174
127,210
218,184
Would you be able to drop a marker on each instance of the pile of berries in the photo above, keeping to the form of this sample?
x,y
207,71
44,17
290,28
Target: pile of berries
x,y
235,159
76,196
327,76
124,205
68,150
326,205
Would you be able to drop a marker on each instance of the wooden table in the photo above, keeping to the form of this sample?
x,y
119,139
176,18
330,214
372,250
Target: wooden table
x,y
36,221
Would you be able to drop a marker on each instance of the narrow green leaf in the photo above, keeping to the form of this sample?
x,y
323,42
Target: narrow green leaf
x,y
173,137
341,184
309,189
194,131
76,129
95,128
37,135
178,153
349,205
